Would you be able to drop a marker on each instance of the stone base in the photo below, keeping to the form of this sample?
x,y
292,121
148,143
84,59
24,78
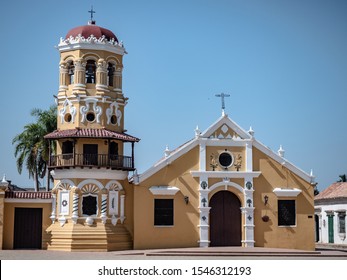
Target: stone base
x,y
98,237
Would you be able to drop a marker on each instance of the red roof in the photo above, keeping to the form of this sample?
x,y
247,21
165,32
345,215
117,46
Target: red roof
x,y
336,190
91,133
29,195
91,29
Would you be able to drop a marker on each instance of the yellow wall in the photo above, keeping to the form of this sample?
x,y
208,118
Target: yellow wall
x,y
185,232
9,221
269,234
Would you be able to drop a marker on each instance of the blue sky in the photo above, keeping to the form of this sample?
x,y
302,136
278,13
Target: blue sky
x,y
283,62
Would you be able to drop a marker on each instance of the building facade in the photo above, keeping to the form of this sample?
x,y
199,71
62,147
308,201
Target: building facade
x,y
330,214
222,188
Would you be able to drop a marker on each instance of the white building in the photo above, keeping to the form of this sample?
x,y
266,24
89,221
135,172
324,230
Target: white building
x,y
330,214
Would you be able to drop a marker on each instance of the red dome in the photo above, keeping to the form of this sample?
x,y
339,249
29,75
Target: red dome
x,y
91,29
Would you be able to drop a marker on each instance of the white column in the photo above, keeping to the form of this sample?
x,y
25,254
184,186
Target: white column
x,y
122,199
248,211
103,207
202,155
204,210
54,207
75,199
249,156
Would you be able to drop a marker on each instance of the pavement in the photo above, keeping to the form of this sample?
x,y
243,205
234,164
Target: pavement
x,y
322,252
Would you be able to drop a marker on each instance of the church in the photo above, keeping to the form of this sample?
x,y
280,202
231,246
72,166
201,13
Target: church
x,y
221,188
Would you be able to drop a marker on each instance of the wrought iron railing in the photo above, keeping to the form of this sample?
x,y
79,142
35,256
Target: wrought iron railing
x,y
92,160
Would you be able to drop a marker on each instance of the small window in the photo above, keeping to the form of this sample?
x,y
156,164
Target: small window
x,y
342,222
90,117
114,119
89,205
67,117
163,212
286,213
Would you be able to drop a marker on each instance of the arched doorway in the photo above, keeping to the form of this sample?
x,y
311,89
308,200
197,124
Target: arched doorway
x,y
225,219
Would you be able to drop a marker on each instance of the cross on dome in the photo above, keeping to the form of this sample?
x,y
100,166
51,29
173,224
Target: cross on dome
x,y
91,15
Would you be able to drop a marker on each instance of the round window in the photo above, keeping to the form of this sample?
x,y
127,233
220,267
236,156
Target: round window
x,y
90,117
225,159
113,119
67,117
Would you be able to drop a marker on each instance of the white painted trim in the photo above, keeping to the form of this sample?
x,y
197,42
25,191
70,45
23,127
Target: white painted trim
x,y
229,184
282,161
90,181
24,200
167,160
102,173
163,190
225,174
89,46
283,192
224,119
114,182
215,142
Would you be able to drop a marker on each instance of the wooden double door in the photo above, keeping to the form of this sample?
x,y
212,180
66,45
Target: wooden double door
x,y
225,219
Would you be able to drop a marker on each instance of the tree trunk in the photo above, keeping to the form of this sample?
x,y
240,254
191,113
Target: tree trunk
x,y
48,179
36,182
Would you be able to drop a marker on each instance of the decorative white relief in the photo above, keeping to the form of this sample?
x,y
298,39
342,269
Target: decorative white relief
x,y
113,203
89,189
113,110
68,107
91,39
87,108
225,128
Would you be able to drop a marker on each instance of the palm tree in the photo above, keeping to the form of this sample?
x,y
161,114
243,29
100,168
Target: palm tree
x,y
26,151
48,121
32,149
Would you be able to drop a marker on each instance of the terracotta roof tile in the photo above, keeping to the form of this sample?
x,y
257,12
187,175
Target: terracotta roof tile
x,y
29,195
336,190
91,133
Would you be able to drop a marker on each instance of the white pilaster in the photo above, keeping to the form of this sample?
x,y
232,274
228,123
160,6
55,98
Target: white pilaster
x,y
103,208
54,207
248,212
122,200
202,154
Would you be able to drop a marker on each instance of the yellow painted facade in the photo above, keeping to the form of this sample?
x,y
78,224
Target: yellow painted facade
x,y
184,200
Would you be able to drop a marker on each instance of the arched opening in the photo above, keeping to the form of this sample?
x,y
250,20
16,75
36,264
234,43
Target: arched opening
x,y
90,72
225,219
113,150
110,74
71,72
67,149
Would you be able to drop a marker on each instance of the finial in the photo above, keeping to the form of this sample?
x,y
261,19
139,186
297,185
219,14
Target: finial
x,y
251,131
281,151
222,96
167,151
197,131
312,177
91,16
4,179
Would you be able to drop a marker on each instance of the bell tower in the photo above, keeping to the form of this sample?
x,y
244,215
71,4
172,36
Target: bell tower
x,y
92,197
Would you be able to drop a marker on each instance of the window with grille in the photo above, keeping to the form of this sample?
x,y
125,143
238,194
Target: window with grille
x,y
342,222
286,213
163,212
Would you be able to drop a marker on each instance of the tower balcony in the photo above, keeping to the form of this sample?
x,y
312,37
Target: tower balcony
x,y
118,162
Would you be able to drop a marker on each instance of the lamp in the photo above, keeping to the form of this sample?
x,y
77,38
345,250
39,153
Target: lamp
x,y
266,199
186,199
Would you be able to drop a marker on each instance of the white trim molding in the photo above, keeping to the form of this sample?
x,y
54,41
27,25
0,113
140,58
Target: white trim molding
x,y
284,192
163,190
225,174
